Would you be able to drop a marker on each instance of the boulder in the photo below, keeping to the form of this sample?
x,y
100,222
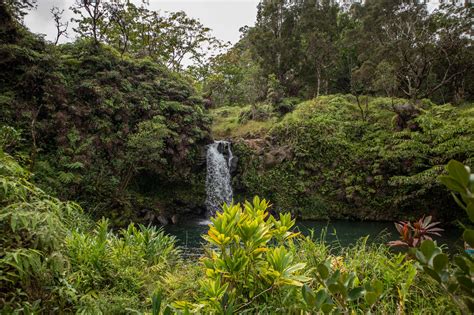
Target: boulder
x,y
163,220
174,219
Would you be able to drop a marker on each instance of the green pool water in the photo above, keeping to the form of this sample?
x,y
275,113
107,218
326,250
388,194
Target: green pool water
x,y
338,233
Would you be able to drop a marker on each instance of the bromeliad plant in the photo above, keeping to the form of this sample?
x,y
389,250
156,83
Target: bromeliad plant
x,y
250,258
413,233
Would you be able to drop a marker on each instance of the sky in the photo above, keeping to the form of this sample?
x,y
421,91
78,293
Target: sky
x,y
224,17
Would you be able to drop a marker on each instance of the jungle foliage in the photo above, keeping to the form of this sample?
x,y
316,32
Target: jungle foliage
x,y
331,158
392,48
259,264
54,258
93,124
114,122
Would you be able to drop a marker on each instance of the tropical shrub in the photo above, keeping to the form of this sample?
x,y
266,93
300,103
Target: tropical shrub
x,y
322,160
33,264
254,263
249,260
53,259
413,233
457,280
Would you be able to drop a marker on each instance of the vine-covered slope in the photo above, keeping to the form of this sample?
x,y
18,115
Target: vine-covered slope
x,y
121,135
333,158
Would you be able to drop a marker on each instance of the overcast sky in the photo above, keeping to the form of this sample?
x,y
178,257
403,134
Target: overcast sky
x,y
224,17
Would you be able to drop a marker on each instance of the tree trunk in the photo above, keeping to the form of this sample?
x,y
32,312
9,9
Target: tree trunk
x,y
318,81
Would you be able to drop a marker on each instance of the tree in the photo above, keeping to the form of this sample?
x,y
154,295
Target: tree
x,y
185,37
362,83
234,77
61,27
386,79
454,66
320,32
19,8
93,19
423,50
274,92
274,42
123,28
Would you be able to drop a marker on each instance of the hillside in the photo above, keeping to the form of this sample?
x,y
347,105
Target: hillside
x,y
330,158
114,133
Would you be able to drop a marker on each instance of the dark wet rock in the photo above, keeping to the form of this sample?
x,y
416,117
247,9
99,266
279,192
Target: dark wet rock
x,y
163,220
277,155
174,219
233,164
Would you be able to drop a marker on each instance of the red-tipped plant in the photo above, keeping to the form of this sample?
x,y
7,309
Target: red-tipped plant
x,y
412,234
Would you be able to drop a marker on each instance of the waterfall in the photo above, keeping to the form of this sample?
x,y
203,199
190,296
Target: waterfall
x,y
218,178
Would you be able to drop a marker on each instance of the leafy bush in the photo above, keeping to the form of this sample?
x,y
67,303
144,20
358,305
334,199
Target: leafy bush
x,y
250,260
323,153
53,260
412,234
458,282
254,263
257,112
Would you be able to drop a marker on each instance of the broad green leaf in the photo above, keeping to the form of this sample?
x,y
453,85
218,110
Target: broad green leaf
x,y
356,293
466,282
440,262
321,297
458,171
427,248
468,236
378,286
371,298
308,295
452,184
323,271
335,288
327,308
433,274
461,263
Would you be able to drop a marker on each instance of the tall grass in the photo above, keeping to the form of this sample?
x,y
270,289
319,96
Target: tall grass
x,y
53,259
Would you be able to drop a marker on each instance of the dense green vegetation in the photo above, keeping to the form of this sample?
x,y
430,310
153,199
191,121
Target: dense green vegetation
x,y
388,103
331,158
348,114
114,122
304,49
54,258
101,128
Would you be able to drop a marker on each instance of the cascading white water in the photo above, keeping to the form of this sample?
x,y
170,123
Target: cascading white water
x,y
218,178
